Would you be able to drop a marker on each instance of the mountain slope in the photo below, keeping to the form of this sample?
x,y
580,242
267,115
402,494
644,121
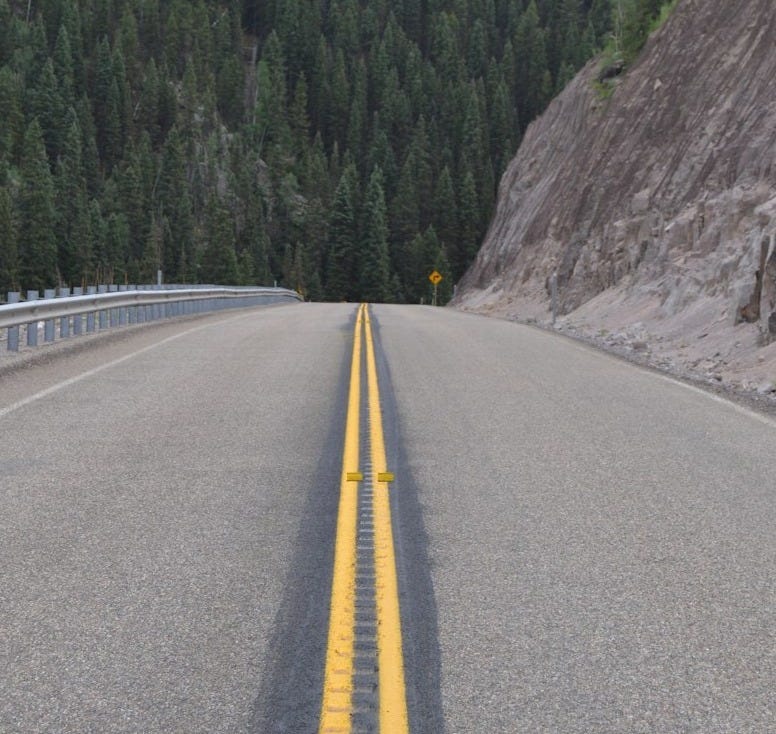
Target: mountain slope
x,y
656,205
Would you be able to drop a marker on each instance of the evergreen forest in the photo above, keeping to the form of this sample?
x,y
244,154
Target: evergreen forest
x,y
343,148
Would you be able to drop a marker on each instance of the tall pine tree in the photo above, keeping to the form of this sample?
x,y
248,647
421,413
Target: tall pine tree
x,y
341,262
37,215
375,272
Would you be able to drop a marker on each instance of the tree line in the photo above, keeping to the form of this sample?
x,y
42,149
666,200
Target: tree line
x,y
342,148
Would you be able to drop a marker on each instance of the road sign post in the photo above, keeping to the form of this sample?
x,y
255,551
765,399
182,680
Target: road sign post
x,y
435,278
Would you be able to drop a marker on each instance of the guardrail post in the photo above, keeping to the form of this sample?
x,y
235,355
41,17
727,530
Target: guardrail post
x,y
13,331
78,319
90,318
32,327
142,311
48,326
123,310
114,312
64,322
103,315
132,310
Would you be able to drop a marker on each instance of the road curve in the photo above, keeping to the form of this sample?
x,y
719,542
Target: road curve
x,y
582,546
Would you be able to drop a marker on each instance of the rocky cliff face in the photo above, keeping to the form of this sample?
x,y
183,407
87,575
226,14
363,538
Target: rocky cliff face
x,y
656,206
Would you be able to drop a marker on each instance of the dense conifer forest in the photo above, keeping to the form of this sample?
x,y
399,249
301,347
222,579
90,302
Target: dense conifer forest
x,y
338,147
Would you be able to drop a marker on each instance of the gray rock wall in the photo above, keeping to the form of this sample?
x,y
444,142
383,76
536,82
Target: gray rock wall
x,y
666,190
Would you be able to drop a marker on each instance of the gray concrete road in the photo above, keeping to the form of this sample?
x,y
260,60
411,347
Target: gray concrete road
x,y
602,541
584,546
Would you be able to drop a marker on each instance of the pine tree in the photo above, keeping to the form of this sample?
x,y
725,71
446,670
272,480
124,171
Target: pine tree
x,y
37,216
478,51
320,92
472,143
6,34
99,233
339,105
341,244
168,103
405,216
219,261
46,105
135,206
601,18
36,53
358,113
63,66
129,44
9,255
107,118
148,104
230,85
415,283
469,219
73,235
446,211
299,121
287,26
71,21
12,119
152,253
381,153
503,124
124,100
424,170
273,94
115,251
344,15
531,64
174,206
444,47
90,157
374,263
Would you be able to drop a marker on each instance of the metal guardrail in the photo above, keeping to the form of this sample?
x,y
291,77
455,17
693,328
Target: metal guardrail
x,y
96,311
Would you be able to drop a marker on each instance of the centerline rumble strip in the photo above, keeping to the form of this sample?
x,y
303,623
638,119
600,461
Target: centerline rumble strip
x,y
364,685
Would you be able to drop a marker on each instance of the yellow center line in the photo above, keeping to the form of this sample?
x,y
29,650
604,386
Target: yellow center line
x,y
337,704
393,700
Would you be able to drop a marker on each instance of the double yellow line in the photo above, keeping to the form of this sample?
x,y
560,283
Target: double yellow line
x,y
337,704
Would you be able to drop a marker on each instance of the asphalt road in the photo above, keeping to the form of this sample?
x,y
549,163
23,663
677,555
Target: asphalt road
x,y
150,518
583,546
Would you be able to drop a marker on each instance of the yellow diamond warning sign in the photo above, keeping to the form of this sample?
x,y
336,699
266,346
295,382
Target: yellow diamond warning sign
x,y
435,277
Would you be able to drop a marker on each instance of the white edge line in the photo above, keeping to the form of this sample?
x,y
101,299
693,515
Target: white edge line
x,y
764,419
96,370
654,372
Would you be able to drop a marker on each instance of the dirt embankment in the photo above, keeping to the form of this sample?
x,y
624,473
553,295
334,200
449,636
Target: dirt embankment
x,y
654,207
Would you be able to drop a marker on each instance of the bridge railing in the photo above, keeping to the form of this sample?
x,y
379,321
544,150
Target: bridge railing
x,y
65,313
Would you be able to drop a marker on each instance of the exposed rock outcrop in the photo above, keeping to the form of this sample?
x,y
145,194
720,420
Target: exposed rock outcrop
x,y
656,205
